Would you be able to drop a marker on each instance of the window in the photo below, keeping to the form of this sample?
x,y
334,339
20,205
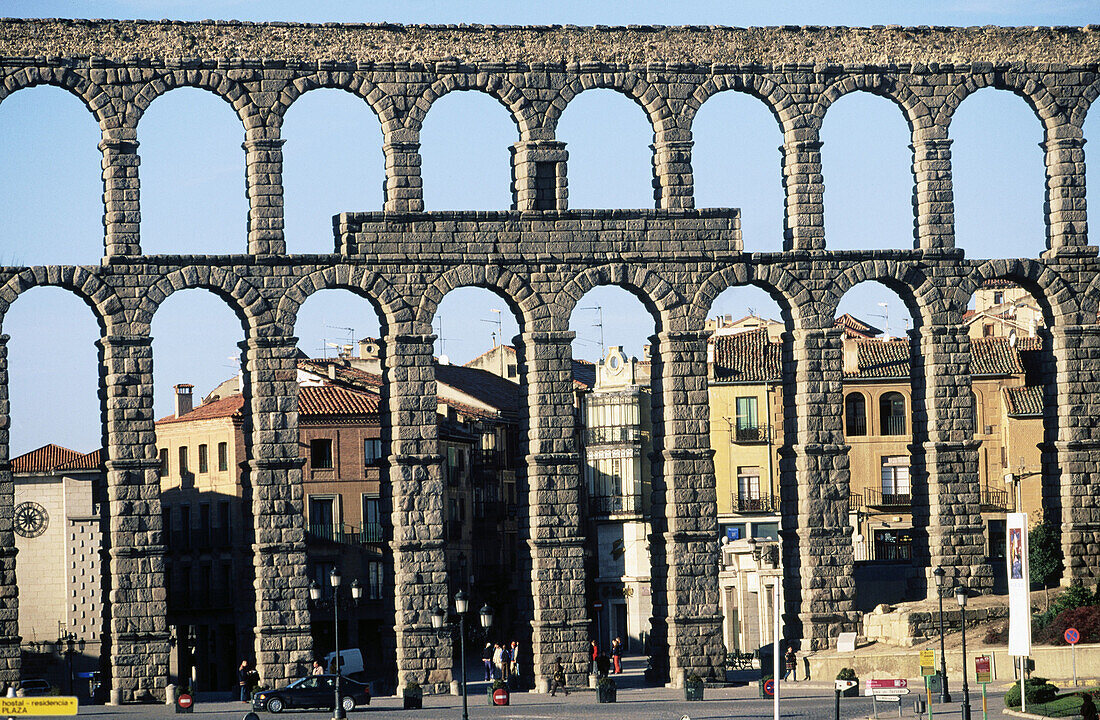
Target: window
x,y
895,480
374,580
372,518
893,545
166,523
319,573
998,297
997,539
748,429
204,525
163,461
855,415
185,527
372,451
223,457
224,534
987,330
322,516
892,414
183,460
320,453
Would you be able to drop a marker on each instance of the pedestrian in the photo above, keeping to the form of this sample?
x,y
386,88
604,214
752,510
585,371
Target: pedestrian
x,y
558,679
1088,707
317,669
514,655
505,662
617,655
791,661
487,660
595,653
244,679
498,660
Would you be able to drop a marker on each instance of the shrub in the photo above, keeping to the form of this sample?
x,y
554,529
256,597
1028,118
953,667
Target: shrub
x,y
846,674
605,681
997,635
1038,691
1044,554
1086,619
693,679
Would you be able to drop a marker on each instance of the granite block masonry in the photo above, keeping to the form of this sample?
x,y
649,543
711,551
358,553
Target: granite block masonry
x,y
541,258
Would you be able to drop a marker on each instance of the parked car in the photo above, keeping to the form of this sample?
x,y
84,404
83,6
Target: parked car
x,y
315,691
36,687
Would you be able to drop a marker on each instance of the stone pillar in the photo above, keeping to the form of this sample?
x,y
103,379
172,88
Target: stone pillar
x,y
10,659
684,545
263,152
404,188
933,196
804,218
817,554
538,175
944,460
1065,187
554,534
283,642
1077,449
136,599
416,484
673,182
121,192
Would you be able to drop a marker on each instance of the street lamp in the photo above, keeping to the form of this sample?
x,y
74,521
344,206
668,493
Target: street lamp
x,y
945,696
462,606
335,579
68,645
961,594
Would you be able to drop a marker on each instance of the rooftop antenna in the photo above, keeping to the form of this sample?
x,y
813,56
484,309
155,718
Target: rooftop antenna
x,y
499,332
325,344
598,324
439,335
886,316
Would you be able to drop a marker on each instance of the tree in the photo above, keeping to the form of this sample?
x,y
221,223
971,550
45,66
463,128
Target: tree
x,y
1044,554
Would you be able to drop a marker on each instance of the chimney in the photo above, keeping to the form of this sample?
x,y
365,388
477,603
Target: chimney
x,y
850,350
332,371
184,399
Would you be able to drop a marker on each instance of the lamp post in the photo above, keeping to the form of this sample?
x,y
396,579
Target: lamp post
x,y
68,645
335,579
945,696
961,594
462,605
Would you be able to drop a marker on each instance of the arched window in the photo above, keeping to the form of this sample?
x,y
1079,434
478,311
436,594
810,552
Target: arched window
x,y
892,414
974,418
855,414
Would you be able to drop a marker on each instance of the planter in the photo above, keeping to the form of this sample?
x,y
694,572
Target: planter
x,y
498,696
606,693
693,691
412,699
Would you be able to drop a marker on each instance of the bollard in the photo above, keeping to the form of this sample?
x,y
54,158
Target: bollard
x,y
837,703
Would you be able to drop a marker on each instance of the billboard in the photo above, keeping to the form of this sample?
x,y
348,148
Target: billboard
x,y
1019,586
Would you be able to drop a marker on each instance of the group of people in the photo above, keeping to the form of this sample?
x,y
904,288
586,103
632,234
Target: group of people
x,y
603,665
248,679
501,661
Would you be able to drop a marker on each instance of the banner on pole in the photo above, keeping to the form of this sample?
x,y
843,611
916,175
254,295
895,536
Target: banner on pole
x,y
1019,585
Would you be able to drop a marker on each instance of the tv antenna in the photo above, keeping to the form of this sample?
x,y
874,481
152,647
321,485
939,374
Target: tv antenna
x,y
496,335
598,324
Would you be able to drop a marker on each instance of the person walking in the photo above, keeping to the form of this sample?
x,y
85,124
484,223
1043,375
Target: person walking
x,y
514,657
487,660
595,654
505,662
498,660
617,656
244,679
558,679
317,669
791,662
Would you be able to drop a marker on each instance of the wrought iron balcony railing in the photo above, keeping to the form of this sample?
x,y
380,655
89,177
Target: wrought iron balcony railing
x,y
877,498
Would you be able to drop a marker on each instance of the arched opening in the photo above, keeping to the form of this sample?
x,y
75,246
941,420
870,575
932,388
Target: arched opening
x,y
51,188
734,164
192,195
998,177
893,414
866,163
855,414
1091,132
617,440
202,442
608,138
332,163
58,478
464,150
345,476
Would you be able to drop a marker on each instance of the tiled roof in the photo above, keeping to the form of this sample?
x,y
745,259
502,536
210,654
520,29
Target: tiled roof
x,y
226,407
882,359
44,459
854,327
336,400
747,357
344,373
483,385
584,375
91,461
993,356
1025,400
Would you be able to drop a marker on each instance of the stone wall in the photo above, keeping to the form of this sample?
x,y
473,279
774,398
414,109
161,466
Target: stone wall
x,y
542,258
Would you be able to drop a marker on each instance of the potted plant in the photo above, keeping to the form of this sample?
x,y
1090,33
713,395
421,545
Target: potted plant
x,y
606,690
693,687
498,693
413,696
849,674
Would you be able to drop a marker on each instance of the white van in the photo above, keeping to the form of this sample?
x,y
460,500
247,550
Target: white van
x,y
351,662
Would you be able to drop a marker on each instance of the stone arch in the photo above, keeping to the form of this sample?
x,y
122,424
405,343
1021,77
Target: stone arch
x,y
356,84
783,287
388,303
1090,302
628,83
239,293
1085,100
231,91
782,107
917,290
521,299
95,99
1038,98
101,298
916,113
520,110
660,298
1048,288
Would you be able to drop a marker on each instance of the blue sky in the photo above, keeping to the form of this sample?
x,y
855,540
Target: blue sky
x,y
192,187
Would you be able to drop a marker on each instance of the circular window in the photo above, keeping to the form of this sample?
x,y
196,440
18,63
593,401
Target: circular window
x,y
31,519
615,362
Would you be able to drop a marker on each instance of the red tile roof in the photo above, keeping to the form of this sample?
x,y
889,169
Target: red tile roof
x,y
747,357
993,356
91,461
882,359
1024,401
335,400
226,407
51,458
854,327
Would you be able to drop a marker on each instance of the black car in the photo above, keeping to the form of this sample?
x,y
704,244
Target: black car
x,y
315,691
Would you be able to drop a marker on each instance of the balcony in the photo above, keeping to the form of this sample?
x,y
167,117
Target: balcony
x,y
759,504
613,435
345,534
615,505
877,498
855,500
893,425
753,434
994,500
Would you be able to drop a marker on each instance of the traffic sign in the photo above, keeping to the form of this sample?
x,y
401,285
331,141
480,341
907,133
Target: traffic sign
x,y
845,684
10,707
887,687
500,696
769,687
981,669
1072,636
597,605
185,703
927,662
